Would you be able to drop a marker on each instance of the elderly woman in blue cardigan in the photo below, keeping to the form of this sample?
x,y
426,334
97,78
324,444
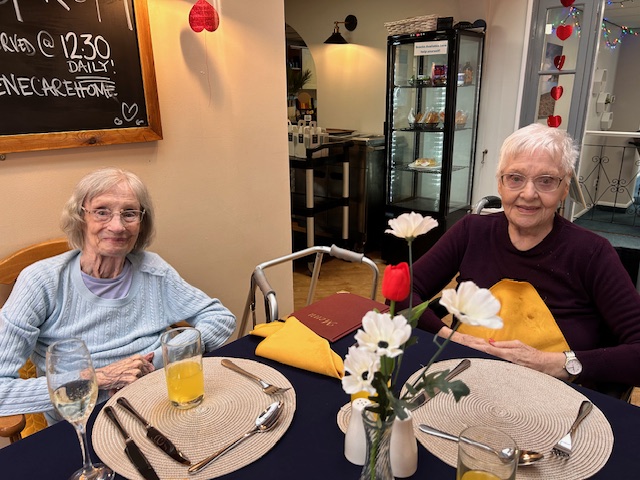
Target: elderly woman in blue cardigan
x,y
108,291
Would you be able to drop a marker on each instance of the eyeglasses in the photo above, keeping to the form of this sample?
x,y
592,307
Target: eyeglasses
x,y
104,215
542,183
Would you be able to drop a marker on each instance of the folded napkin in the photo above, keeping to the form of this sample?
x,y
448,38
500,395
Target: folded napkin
x,y
526,318
295,344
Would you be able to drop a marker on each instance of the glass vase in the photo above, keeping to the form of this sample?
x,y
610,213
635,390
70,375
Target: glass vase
x,y
377,464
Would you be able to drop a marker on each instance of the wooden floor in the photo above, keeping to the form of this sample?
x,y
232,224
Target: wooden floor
x,y
337,275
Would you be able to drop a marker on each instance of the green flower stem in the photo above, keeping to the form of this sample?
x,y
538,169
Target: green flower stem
x,y
437,354
391,310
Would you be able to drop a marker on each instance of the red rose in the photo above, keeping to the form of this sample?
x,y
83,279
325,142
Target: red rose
x,y
396,282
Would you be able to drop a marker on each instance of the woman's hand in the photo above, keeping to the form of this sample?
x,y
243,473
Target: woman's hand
x,y
551,363
123,372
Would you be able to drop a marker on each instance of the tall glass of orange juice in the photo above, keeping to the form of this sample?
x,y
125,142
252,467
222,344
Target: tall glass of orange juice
x,y
182,356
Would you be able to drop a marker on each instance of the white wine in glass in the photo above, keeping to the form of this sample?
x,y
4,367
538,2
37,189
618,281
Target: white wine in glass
x,y
73,390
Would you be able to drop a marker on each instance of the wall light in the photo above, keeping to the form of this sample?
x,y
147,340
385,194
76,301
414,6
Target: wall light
x,y
350,23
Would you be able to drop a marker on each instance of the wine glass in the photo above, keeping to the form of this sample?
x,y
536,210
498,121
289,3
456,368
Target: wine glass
x,y
73,389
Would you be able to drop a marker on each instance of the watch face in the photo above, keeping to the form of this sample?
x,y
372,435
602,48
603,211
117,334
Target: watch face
x,y
573,366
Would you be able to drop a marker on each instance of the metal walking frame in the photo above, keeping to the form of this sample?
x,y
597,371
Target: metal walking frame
x,y
259,279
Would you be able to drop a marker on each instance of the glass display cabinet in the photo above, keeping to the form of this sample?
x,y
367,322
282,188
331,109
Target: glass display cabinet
x,y
433,90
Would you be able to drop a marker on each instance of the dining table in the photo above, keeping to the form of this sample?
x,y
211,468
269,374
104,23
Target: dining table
x,y
313,445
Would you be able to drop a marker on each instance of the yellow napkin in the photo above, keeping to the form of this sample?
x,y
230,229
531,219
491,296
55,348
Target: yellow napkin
x,y
295,344
525,316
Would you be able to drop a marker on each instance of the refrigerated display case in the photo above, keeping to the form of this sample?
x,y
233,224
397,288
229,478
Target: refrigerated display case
x,y
433,92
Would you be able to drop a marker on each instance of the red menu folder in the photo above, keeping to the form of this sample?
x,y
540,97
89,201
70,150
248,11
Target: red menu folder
x,y
338,315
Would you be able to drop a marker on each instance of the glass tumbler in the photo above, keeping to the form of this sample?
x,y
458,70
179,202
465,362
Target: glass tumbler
x,y
486,453
182,356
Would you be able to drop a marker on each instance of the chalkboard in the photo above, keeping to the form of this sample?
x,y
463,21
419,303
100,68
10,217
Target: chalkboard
x,y
76,73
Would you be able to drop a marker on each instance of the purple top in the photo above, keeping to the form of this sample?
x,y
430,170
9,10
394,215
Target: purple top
x,y
577,273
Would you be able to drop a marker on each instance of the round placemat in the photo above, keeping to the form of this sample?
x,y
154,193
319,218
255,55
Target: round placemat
x,y
535,409
229,409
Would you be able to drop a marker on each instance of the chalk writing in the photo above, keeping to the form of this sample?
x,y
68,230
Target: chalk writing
x,y
81,86
67,5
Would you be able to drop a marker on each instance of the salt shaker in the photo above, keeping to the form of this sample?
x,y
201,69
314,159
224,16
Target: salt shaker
x,y
404,448
355,442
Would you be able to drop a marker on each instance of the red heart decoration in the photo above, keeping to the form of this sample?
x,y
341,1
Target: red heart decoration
x,y
556,92
554,121
567,3
203,17
564,31
558,61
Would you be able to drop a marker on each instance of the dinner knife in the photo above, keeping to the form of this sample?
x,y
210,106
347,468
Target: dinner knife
x,y
423,398
131,449
155,435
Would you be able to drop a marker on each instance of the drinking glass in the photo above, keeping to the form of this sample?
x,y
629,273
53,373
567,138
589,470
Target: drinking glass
x,y
478,455
182,357
73,389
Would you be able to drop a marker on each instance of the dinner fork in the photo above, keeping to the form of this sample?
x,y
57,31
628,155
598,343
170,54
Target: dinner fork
x,y
266,387
564,447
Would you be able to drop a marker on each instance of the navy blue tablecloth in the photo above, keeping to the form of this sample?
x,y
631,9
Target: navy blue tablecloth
x,y
312,448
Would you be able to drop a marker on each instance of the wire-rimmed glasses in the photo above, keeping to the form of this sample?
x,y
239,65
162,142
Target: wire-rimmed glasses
x,y
542,183
73,389
104,215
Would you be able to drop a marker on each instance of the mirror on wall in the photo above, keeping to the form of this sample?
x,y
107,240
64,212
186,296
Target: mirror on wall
x,y
301,78
609,167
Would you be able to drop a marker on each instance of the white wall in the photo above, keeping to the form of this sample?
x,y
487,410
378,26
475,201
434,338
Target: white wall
x,y
352,78
220,177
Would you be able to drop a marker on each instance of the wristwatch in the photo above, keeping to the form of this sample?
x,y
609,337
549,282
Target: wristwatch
x,y
572,365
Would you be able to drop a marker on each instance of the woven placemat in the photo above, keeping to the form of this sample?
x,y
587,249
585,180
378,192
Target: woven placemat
x,y
231,404
535,409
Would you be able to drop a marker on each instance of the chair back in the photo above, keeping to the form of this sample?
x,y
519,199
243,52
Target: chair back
x,y
15,427
259,280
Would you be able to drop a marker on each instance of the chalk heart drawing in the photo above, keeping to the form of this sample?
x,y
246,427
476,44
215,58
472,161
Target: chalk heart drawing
x,y
129,112
117,121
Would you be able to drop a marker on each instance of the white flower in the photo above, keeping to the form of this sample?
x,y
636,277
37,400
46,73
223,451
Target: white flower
x,y
410,225
362,365
383,335
473,305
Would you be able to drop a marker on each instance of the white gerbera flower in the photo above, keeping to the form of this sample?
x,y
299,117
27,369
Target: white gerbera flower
x,y
383,335
361,364
410,225
473,305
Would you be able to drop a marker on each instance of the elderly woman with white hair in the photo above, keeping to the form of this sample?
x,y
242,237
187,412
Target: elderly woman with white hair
x,y
108,291
569,307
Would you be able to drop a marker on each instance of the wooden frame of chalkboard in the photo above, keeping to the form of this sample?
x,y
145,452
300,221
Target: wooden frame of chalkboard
x,y
75,74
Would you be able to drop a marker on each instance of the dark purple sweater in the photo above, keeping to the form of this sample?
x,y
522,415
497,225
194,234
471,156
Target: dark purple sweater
x,y
577,273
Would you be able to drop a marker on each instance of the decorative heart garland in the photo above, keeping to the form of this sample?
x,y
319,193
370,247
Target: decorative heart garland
x,y
556,92
567,3
564,31
203,17
558,61
554,121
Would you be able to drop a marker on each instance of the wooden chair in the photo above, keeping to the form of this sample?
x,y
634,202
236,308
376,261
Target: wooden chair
x,y
15,427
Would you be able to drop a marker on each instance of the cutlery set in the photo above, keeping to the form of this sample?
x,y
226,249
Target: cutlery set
x,y
264,422
563,448
268,418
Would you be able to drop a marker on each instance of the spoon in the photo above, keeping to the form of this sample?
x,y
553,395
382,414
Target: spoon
x,y
267,419
525,457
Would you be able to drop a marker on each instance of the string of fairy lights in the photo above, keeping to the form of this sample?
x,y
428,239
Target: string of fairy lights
x,y
611,32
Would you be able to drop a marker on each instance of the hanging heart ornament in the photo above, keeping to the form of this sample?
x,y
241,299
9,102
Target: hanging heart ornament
x,y
556,92
558,61
554,121
203,17
567,3
564,31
